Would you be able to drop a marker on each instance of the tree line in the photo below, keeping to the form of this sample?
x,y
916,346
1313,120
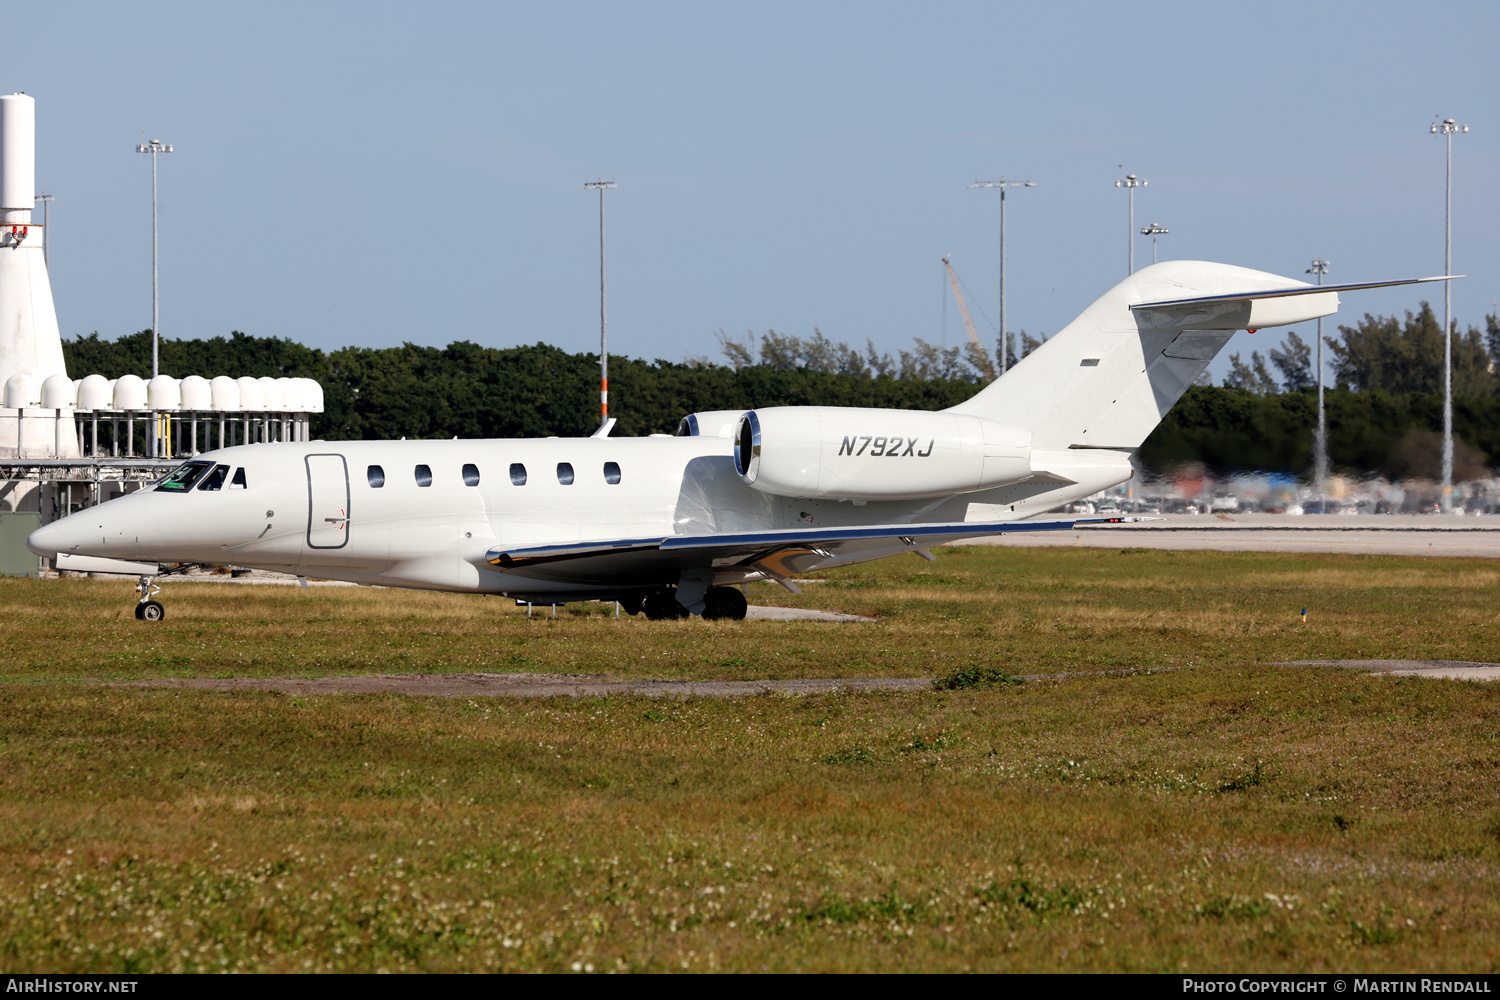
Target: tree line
x,y
1384,408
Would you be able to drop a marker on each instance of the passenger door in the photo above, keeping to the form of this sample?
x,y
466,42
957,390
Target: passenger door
x,y
327,502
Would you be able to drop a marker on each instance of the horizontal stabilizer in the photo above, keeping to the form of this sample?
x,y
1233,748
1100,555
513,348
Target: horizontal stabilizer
x,y
1254,309
1278,293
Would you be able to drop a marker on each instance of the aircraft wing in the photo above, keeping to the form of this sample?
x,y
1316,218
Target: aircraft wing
x,y
752,554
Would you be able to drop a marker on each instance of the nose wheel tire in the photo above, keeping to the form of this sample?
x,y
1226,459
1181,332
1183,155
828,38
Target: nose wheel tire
x,y
725,603
150,611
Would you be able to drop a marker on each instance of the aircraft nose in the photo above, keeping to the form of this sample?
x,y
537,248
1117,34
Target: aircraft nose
x,y
46,540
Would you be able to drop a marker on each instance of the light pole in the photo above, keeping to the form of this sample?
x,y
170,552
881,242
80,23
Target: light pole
x,y
1447,128
1154,230
1130,182
1320,442
602,186
46,200
1002,184
154,147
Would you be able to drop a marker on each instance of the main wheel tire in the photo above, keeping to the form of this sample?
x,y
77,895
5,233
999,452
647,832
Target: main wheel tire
x,y
632,605
140,612
661,606
151,611
726,603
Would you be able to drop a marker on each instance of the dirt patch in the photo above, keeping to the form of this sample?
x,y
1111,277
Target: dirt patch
x,y
1453,670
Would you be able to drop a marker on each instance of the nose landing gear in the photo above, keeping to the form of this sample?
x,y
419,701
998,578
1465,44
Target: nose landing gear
x,y
146,609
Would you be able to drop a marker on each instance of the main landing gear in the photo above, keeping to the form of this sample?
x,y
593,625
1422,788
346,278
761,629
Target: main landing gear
x,y
146,609
725,603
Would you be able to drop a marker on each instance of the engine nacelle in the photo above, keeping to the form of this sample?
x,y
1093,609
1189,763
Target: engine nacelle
x,y
868,454
709,423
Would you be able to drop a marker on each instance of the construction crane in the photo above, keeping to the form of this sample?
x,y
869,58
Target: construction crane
x,y
963,310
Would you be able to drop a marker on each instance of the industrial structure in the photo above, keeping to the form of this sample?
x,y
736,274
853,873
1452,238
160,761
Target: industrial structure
x,y
66,444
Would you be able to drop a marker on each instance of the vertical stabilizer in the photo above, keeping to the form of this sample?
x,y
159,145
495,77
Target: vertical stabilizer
x,y
30,342
1107,379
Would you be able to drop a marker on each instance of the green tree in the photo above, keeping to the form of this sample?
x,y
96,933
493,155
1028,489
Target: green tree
x,y
1381,352
1294,361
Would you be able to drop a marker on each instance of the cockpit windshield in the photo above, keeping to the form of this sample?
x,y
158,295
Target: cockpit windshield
x,y
183,477
215,479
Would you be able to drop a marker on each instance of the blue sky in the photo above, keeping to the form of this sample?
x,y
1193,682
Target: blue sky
x,y
376,173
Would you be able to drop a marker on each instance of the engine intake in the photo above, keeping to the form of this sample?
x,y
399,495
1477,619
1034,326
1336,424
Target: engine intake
x,y
852,453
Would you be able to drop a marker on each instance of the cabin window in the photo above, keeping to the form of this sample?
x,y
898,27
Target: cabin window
x,y
471,475
612,473
565,473
424,475
237,482
376,476
215,479
517,474
183,477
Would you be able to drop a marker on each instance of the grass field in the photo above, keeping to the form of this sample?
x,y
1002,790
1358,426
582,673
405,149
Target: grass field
x,y
1224,814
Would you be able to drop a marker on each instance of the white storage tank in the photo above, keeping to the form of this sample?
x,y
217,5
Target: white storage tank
x,y
225,393
57,393
270,393
95,393
312,395
197,393
251,397
162,393
21,390
130,393
291,394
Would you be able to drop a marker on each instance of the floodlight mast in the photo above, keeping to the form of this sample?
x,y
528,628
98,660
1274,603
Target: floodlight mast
x,y
1448,128
602,186
46,200
1320,444
1154,230
154,147
1002,184
1130,182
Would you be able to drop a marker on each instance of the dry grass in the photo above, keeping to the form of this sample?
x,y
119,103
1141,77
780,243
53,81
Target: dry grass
x,y
1029,611
1226,817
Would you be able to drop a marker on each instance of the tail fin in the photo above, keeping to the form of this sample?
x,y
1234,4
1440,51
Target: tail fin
x,y
1107,379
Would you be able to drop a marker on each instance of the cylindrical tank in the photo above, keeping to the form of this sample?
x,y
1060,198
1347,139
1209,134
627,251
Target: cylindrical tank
x,y
312,396
21,390
226,393
197,394
270,393
17,158
57,393
94,393
162,393
130,393
251,397
291,394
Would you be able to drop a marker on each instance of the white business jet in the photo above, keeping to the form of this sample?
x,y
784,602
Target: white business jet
x,y
668,525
